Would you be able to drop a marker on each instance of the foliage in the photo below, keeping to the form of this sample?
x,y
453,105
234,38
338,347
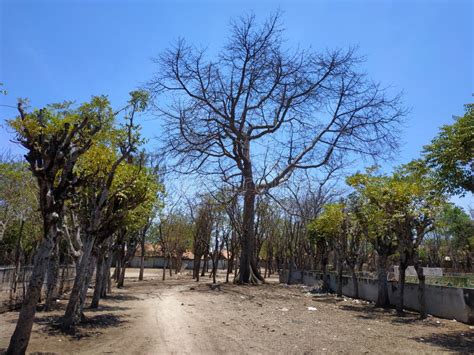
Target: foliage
x,y
18,205
328,225
451,154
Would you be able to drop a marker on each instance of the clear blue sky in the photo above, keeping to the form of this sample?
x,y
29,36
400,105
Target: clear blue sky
x,y
69,50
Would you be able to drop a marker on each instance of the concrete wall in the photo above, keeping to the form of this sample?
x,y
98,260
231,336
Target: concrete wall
x,y
158,262
427,271
441,301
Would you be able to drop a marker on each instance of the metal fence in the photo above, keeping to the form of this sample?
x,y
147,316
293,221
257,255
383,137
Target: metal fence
x,y
14,283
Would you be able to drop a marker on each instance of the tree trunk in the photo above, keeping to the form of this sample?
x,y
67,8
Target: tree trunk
x,y
339,276
196,266
71,316
290,271
170,269
109,278
248,271
164,267
121,280
421,289
106,279
355,282
99,280
229,268
401,287
214,270
326,284
83,295
52,279
382,297
142,257
118,265
204,266
21,335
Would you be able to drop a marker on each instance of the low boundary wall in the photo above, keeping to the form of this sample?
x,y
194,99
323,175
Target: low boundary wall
x,y
158,262
441,301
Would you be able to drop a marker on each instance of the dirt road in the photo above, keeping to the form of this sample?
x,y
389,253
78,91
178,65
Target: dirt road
x,y
182,316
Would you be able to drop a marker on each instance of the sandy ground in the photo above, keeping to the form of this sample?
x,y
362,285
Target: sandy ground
x,y
182,316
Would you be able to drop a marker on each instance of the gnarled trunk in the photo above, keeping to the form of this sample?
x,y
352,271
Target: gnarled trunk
x,y
73,311
21,335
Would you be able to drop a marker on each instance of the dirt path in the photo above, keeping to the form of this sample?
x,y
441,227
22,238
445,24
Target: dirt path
x,y
182,316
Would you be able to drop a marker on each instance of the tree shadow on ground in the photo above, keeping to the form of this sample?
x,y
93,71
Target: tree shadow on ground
x,y
122,297
390,315
327,299
105,308
89,326
453,341
367,311
413,318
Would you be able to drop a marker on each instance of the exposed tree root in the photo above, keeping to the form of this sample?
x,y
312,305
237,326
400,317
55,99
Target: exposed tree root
x,y
254,278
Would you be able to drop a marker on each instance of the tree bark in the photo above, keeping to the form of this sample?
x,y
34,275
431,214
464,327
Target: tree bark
x,y
142,257
170,269
196,266
164,267
21,335
421,288
339,276
382,297
131,247
248,271
72,314
52,279
229,268
401,287
204,266
83,295
106,279
99,280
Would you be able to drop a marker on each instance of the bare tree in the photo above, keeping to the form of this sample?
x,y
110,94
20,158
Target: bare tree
x,y
260,111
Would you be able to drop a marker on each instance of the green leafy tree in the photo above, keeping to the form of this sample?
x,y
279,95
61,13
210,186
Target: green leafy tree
x,y
20,229
377,195
416,201
330,226
451,154
458,230
109,191
54,138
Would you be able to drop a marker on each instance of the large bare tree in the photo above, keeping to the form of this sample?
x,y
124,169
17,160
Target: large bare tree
x,y
259,111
